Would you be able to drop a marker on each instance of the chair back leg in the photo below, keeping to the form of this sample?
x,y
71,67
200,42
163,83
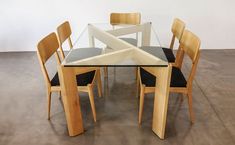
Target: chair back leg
x,y
92,102
99,83
48,104
190,106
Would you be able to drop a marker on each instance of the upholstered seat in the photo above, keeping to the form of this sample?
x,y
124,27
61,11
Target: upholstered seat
x,y
82,79
177,78
169,54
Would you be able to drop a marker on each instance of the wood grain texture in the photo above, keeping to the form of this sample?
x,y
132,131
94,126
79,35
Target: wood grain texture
x,y
71,100
125,18
46,48
190,44
177,28
163,76
64,33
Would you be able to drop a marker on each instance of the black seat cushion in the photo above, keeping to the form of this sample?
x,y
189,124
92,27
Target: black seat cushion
x,y
82,79
169,54
177,78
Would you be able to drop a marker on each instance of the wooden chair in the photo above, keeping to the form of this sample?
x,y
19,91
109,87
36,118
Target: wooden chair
x,y
189,45
125,18
177,30
85,81
120,19
64,33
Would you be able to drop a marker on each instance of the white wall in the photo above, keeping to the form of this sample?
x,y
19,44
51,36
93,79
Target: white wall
x,y
25,22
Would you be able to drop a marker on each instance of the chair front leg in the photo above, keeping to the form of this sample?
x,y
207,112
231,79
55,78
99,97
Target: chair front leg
x,y
92,102
137,82
105,71
136,73
59,94
99,83
141,105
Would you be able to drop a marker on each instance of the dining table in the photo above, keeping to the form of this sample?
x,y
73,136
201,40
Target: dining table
x,y
101,45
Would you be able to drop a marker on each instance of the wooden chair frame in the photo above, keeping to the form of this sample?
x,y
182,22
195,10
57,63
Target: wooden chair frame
x,y
46,48
125,18
64,33
177,30
190,45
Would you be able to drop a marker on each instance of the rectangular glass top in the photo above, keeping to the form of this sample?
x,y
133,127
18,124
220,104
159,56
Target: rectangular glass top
x,y
120,46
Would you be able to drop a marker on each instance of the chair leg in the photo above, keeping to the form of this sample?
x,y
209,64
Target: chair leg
x,y
59,95
48,104
141,105
105,71
180,97
99,84
190,105
137,84
136,73
92,102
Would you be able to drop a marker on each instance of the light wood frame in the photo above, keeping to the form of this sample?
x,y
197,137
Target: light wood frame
x,y
190,45
64,33
125,18
177,30
46,48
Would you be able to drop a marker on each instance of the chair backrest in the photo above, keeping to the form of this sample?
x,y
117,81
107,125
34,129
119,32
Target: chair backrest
x,y
45,49
125,18
177,30
190,45
64,32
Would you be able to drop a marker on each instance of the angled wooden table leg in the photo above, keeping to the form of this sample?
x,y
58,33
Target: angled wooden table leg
x,y
71,100
163,77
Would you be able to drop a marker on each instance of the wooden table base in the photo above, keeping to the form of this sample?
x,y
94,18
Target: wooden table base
x,y
163,77
72,108
71,100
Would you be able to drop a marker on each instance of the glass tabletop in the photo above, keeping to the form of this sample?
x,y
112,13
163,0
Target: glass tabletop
x,y
120,46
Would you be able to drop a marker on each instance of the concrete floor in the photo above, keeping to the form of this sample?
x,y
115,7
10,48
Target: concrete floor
x,y
23,107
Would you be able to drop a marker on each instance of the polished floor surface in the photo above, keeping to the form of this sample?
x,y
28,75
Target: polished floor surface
x,y
23,116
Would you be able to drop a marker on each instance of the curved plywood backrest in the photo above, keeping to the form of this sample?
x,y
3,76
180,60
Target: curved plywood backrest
x,y
125,18
190,44
47,47
64,32
177,28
